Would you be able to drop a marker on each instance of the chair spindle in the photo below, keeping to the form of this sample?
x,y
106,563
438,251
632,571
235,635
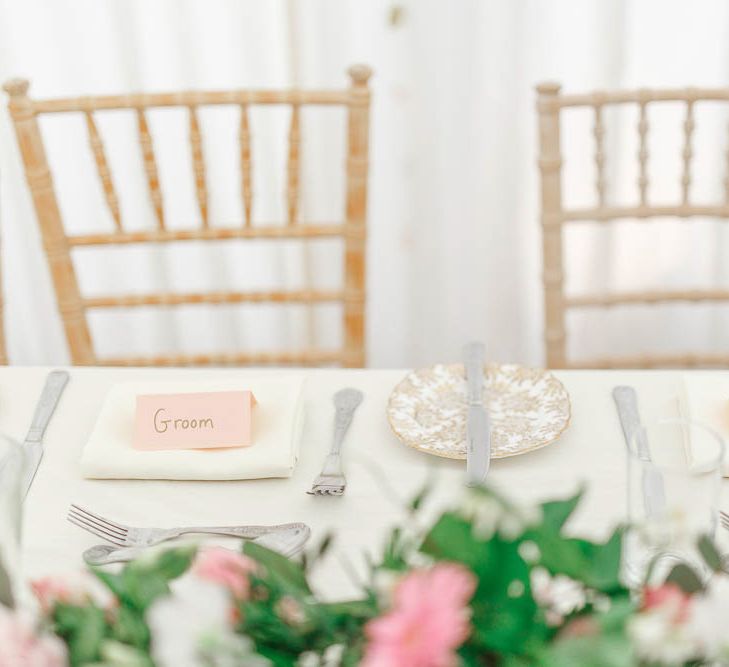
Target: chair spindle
x,y
245,164
643,153
198,165
293,167
102,167
598,132
687,153
150,167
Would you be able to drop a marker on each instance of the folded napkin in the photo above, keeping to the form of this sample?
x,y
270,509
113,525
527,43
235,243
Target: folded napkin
x,y
706,400
277,424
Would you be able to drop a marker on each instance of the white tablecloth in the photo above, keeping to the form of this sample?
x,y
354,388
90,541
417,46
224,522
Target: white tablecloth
x,y
379,468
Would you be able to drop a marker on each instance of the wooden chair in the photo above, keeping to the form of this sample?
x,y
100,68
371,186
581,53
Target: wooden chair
x,y
554,215
73,307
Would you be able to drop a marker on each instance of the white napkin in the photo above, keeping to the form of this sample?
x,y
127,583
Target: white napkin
x,y
706,400
277,423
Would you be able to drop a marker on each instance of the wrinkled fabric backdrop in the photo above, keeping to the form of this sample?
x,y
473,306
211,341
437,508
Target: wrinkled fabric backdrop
x,y
454,241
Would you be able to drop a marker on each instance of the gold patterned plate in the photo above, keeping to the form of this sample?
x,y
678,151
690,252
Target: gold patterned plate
x,y
529,409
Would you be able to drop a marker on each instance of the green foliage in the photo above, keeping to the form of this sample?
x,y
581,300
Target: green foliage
x,y
90,632
83,629
710,553
501,544
685,578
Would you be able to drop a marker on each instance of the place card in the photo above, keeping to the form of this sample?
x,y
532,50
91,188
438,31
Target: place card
x,y
202,420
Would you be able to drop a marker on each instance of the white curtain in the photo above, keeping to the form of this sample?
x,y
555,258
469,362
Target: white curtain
x,y
454,241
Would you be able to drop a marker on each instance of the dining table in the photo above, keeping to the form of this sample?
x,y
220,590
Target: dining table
x,y
383,474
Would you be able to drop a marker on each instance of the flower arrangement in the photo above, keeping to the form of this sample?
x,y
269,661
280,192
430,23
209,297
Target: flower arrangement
x,y
488,583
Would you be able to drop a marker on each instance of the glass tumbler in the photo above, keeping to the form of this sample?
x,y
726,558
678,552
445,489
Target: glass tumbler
x,y
674,477
12,466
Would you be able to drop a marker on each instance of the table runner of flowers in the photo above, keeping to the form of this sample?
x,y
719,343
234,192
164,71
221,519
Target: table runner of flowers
x,y
488,583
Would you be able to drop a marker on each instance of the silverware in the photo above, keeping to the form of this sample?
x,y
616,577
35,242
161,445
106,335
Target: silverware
x,y
478,429
724,518
654,496
331,481
287,541
129,536
33,445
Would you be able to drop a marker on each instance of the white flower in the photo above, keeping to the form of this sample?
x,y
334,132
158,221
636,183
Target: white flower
x,y
192,625
115,654
558,595
332,657
489,515
222,648
529,551
707,621
659,639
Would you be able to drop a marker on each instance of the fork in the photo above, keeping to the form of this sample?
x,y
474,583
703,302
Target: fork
x,y
130,536
331,480
288,543
724,518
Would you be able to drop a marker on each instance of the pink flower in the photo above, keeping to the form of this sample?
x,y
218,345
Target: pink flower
x,y
429,620
74,589
582,626
670,599
225,567
20,646
290,611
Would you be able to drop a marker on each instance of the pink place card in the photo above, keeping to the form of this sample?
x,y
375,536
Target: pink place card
x,y
193,421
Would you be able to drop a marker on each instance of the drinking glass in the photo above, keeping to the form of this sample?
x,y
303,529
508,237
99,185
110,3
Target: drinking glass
x,y
12,464
674,477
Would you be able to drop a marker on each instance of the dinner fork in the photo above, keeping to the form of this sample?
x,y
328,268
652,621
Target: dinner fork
x,y
331,480
131,536
724,518
288,542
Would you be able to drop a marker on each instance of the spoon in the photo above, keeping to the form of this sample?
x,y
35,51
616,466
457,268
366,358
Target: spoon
x,y
287,542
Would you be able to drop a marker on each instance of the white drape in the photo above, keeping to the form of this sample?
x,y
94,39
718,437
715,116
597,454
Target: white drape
x,y
454,243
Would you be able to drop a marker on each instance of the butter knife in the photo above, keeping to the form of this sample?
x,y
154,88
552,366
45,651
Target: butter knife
x,y
654,496
478,424
33,445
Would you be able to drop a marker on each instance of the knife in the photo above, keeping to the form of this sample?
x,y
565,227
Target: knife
x,y
478,424
654,495
33,445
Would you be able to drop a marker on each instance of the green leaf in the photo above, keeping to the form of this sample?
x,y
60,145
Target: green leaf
x,y
610,650
115,654
83,629
283,571
353,608
143,581
168,564
142,588
451,538
417,502
556,512
685,578
596,565
130,628
711,555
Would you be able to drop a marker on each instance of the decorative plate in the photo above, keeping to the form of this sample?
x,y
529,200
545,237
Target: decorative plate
x,y
529,409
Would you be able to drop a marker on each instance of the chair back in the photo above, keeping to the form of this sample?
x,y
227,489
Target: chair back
x,y
555,215
73,306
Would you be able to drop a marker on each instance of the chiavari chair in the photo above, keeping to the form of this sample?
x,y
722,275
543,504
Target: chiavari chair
x,y
555,216
73,306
